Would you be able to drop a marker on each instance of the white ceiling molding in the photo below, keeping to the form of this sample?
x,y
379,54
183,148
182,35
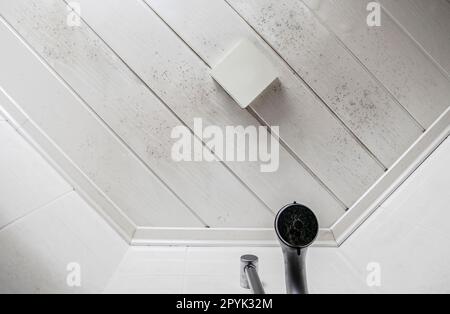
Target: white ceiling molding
x,y
218,237
214,237
392,179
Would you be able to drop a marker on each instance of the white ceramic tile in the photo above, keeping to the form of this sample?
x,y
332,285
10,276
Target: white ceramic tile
x,y
148,270
213,261
37,249
213,285
330,272
408,237
245,73
153,262
223,264
216,270
141,284
27,181
419,183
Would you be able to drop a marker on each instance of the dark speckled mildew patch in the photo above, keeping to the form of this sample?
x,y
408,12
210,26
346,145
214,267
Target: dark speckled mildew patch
x,y
375,119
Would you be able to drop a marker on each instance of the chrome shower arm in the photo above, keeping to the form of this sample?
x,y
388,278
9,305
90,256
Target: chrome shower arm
x,y
249,274
295,267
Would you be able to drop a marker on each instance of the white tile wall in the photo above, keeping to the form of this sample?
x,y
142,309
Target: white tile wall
x,y
45,225
152,270
37,249
192,270
27,181
409,238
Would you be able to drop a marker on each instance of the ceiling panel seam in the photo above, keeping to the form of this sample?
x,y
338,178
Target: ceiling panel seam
x,y
370,73
423,49
24,131
256,197
271,211
311,90
259,118
106,125
300,161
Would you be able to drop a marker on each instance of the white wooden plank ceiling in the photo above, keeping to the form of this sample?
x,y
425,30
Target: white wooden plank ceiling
x,y
351,99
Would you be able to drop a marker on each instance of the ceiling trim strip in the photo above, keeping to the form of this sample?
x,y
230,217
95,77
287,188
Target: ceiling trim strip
x,y
392,179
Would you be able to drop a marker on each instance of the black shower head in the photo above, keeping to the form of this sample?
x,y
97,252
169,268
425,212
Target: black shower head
x,y
296,226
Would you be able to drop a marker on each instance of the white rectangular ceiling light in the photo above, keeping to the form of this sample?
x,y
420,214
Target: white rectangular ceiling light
x,y
245,73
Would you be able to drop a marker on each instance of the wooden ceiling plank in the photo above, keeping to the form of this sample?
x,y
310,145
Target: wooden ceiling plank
x,y
369,111
108,164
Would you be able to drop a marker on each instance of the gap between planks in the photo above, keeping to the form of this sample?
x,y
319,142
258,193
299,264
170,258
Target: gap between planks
x,y
260,119
365,68
101,120
182,123
417,43
310,89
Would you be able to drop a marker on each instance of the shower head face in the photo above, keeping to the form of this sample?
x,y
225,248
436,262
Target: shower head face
x,y
297,226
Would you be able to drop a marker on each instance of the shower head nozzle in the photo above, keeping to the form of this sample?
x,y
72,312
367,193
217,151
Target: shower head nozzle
x,y
296,226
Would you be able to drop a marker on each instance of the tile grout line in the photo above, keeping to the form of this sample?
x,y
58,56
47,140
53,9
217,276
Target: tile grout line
x,y
184,281
46,204
262,121
116,270
103,122
35,210
183,123
365,68
312,91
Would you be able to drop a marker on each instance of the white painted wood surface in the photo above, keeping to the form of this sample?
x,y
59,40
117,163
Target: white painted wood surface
x,y
131,110
333,73
428,23
27,182
37,249
390,54
330,152
101,103
9,111
183,82
107,163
